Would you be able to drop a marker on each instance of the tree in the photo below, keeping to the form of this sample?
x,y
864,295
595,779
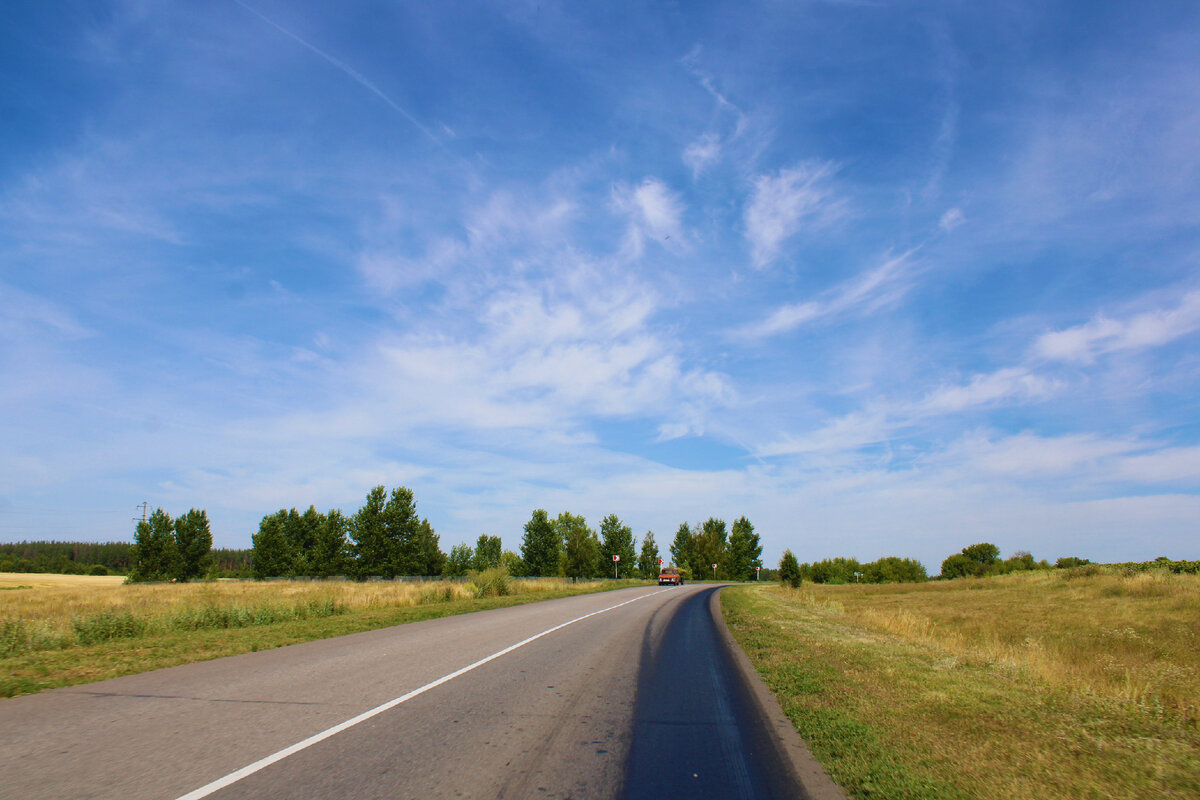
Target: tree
x,y
648,566
617,540
303,531
155,551
512,563
487,552
984,553
404,532
789,570
331,551
834,570
541,546
431,559
681,547
373,547
745,551
580,544
892,569
458,563
709,547
193,545
958,566
271,552
978,559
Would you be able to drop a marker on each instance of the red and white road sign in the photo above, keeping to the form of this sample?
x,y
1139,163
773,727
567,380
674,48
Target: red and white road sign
x,y
616,558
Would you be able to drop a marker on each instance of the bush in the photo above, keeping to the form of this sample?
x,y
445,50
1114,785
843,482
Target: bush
x,y
98,569
492,583
789,570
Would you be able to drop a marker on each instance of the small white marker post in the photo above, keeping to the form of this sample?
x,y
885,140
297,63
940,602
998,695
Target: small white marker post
x,y
615,560
714,572
756,571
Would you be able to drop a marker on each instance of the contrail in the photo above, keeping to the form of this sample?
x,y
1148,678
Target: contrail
x,y
349,70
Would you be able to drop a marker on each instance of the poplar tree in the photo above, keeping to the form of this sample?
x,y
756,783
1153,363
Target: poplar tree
x,y
541,546
487,552
648,566
331,550
789,570
581,546
193,545
617,539
154,549
745,551
681,548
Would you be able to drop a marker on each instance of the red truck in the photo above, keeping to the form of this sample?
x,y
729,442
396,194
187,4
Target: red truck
x,y
670,577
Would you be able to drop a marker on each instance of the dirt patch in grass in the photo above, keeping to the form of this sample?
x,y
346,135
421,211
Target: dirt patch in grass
x,y
926,692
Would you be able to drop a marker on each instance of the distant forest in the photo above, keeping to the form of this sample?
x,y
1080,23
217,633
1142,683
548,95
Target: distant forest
x,y
100,558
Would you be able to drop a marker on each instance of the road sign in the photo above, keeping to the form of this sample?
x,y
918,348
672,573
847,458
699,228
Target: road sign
x,y
660,562
616,558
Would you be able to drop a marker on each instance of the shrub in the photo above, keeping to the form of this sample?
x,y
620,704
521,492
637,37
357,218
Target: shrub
x,y
98,569
789,570
492,583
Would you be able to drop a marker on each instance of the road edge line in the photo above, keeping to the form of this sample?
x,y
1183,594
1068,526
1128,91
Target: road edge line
x,y
808,772
261,764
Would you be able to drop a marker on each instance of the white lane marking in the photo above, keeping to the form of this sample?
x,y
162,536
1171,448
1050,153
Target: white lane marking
x,y
263,763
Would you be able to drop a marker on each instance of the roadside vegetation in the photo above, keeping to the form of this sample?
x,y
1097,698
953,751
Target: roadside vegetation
x,y
63,630
1081,682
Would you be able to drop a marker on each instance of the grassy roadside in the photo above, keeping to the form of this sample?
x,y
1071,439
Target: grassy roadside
x,y
926,691
62,633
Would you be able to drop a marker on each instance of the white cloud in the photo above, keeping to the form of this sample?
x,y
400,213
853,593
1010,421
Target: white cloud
x,y
23,314
785,204
1008,384
1104,335
655,213
952,219
869,291
702,153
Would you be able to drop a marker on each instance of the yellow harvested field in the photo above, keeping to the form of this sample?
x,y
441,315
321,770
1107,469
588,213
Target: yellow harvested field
x,y
12,580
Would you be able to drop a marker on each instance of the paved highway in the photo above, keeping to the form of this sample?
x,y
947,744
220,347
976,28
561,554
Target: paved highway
x,y
633,693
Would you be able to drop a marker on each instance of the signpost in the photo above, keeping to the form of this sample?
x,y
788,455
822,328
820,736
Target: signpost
x,y
616,558
756,571
714,572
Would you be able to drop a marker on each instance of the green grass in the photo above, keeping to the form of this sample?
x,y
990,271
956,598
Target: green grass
x,y
906,693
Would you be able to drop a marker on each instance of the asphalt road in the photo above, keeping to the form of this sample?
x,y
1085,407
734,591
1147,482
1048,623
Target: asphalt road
x,y
633,693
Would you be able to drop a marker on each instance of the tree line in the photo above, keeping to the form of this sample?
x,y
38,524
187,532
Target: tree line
x,y
387,538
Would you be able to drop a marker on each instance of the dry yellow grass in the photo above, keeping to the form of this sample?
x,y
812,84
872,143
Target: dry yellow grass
x,y
63,630
50,605
1054,684
1131,637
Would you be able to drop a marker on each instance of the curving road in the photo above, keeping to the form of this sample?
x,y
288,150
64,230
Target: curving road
x,y
633,693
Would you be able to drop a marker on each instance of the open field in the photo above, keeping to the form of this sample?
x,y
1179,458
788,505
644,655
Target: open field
x,y
58,630
1049,684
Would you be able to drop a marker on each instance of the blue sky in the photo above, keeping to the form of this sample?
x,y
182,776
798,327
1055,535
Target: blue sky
x,y
889,278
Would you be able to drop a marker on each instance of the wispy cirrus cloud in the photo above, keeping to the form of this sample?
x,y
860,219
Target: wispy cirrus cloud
x,y
873,289
788,202
655,213
1084,343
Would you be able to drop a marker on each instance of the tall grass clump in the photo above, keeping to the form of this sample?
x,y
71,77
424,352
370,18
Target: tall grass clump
x,y
108,624
492,582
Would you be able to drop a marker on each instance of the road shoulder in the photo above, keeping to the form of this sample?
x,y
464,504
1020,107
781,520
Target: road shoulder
x,y
807,771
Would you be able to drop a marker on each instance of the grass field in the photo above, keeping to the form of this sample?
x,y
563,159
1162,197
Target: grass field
x,y
59,630
1056,684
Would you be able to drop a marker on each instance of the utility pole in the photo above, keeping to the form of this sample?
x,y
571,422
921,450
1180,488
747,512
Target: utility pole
x,y
143,519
